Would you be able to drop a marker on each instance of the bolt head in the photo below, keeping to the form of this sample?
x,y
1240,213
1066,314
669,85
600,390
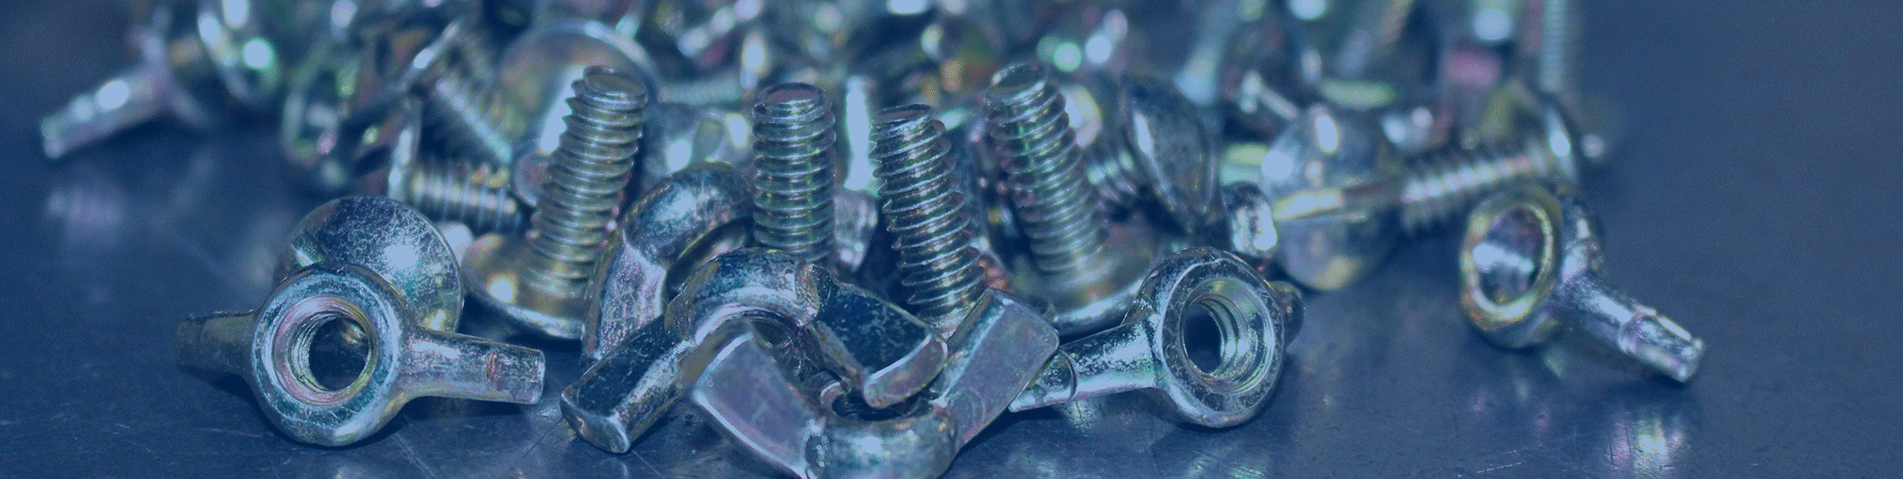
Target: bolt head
x,y
1329,176
1164,131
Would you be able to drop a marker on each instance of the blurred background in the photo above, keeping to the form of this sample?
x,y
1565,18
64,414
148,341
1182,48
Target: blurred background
x,y
1751,195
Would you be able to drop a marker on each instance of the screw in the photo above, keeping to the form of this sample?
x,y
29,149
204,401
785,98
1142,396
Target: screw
x,y
1530,262
1055,205
1039,153
1160,151
925,210
180,71
593,164
472,117
476,195
793,174
539,283
1339,194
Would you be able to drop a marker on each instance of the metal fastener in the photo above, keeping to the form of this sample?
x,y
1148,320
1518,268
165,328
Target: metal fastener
x,y
476,195
1055,206
1161,153
569,229
1342,198
793,172
703,209
767,402
193,56
924,210
375,286
1529,263
883,354
1256,320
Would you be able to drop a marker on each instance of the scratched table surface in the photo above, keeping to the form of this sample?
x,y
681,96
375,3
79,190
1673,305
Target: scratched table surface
x,y
1754,198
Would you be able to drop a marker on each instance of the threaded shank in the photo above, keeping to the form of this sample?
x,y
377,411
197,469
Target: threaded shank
x,y
1443,187
793,175
472,117
475,195
924,210
586,175
1057,207
1112,171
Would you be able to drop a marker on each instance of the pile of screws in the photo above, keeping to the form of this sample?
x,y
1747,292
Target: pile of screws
x,y
854,233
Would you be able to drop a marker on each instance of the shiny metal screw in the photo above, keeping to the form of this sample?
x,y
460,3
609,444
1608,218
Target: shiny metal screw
x,y
472,115
192,58
1529,263
593,164
1439,188
793,174
475,195
924,209
1057,207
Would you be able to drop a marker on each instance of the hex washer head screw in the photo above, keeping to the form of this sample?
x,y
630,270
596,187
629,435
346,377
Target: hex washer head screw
x,y
1530,262
1256,318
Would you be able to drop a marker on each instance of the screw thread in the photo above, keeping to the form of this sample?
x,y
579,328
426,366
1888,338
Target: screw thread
x,y
585,177
793,175
924,209
472,116
1112,171
1559,46
1443,186
475,195
1055,205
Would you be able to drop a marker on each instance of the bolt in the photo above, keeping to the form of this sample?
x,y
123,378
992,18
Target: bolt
x,y
1255,318
925,210
1529,263
192,59
1055,206
1436,190
1160,153
476,195
537,68
539,282
1340,195
473,118
793,173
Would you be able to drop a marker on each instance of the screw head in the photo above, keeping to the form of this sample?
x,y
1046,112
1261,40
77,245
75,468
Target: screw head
x,y
1329,177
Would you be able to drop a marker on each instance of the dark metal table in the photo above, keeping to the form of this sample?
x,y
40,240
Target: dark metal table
x,y
1754,199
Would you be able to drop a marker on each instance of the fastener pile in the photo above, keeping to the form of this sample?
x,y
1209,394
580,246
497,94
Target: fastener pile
x,y
853,234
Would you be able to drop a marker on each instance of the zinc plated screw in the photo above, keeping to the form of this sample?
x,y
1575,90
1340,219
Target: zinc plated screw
x,y
539,282
1339,195
1529,263
1055,205
190,60
476,195
462,103
590,169
793,173
925,210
